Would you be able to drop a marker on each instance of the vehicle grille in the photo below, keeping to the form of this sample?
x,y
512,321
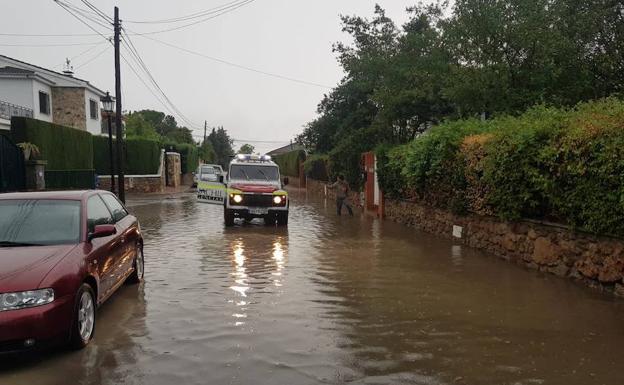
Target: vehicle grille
x,y
257,200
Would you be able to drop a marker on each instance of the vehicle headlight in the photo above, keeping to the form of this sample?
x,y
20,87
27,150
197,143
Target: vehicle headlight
x,y
25,299
237,198
277,199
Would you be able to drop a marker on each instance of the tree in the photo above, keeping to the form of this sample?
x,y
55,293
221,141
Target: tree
x,y
246,149
207,152
222,145
181,135
138,127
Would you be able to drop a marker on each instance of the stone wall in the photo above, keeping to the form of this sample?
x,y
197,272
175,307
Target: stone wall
x,y
174,169
68,107
137,184
595,261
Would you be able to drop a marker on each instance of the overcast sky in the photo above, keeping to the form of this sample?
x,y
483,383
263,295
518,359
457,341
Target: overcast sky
x,y
290,38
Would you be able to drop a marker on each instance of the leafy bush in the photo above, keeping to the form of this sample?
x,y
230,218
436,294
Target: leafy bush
x,y
64,148
142,156
564,165
289,162
317,167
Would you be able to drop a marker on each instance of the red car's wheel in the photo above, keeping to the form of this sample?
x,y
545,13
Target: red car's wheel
x,y
83,325
139,266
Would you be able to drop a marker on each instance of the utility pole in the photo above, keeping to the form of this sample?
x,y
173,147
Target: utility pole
x,y
120,164
205,128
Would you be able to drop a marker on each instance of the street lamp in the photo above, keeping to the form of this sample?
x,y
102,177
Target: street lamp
x,y
107,102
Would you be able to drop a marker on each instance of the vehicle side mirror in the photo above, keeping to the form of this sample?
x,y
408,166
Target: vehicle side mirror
x,y
101,231
286,181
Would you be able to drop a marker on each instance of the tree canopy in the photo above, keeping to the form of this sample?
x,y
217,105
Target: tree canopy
x,y
222,145
477,59
246,149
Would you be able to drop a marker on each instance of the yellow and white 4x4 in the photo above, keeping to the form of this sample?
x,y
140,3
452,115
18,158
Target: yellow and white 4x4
x,y
255,190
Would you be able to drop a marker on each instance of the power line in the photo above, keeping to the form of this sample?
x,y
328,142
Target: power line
x,y
82,53
51,45
93,58
61,4
97,11
185,18
86,14
128,42
222,12
246,68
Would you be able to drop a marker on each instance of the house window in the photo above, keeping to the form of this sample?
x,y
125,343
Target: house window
x,y
93,109
44,103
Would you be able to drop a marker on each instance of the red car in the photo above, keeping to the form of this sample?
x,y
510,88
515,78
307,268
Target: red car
x,y
62,254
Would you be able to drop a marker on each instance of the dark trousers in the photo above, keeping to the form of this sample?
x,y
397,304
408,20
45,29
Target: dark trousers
x,y
343,202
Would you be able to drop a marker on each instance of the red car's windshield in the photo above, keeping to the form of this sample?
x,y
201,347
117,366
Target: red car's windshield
x,y
39,222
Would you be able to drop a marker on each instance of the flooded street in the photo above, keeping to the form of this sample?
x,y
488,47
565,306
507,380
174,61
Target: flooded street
x,y
332,300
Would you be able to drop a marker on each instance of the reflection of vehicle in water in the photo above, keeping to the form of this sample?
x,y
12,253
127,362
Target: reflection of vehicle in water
x,y
209,182
254,190
207,173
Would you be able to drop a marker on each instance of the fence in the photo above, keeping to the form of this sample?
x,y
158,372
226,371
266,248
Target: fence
x,y
8,110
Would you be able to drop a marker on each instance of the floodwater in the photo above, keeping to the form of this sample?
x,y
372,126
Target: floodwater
x,y
332,300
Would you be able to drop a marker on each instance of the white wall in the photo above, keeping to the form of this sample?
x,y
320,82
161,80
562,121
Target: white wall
x,y
36,87
18,92
93,125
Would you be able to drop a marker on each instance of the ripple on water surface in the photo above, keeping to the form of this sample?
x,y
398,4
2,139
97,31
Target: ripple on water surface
x,y
332,300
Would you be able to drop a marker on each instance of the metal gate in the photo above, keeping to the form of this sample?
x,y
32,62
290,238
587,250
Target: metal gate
x,y
12,173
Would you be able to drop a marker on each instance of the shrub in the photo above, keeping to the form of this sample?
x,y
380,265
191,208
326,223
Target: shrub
x,y
64,148
317,167
564,165
142,156
289,162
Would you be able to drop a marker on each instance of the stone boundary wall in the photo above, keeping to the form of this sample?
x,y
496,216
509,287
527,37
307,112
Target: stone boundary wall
x,y
136,183
139,183
595,261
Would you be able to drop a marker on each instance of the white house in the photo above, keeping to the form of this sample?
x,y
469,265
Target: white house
x,y
33,91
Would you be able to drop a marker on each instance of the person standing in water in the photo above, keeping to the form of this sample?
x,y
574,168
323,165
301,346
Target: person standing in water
x,y
342,194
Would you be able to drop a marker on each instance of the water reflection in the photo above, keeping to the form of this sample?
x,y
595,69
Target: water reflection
x,y
254,268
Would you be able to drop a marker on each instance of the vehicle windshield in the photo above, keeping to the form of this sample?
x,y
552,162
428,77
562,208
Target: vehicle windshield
x,y
208,170
253,172
39,222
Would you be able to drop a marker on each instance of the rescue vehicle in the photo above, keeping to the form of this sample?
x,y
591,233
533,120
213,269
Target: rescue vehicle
x,y
254,189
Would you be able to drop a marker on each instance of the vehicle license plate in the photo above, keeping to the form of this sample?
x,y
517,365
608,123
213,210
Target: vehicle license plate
x,y
258,211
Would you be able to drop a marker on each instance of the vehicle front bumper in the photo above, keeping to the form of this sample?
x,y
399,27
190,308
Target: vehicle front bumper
x,y
246,211
42,324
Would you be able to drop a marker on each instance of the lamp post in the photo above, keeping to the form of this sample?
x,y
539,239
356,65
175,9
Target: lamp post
x,y
107,101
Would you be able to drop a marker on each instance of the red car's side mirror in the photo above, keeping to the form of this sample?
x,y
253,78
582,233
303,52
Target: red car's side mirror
x,y
101,231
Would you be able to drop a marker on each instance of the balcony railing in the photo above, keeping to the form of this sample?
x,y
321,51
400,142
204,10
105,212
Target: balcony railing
x,y
8,110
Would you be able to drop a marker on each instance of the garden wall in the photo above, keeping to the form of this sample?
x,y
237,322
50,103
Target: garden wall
x,y
592,260
595,261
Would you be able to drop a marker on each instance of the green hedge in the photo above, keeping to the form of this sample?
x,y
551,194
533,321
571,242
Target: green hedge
x,y
317,167
64,148
563,165
289,162
189,155
142,156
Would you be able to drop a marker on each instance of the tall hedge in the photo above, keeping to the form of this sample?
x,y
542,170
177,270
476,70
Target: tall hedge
x,y
64,148
189,155
289,162
142,156
563,165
